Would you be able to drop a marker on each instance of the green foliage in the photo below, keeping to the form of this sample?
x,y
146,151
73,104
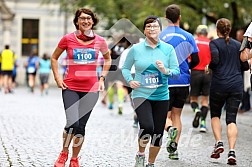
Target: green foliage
x,y
192,11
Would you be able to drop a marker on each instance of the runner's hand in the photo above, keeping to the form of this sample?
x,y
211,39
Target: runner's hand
x,y
61,84
161,67
101,86
134,84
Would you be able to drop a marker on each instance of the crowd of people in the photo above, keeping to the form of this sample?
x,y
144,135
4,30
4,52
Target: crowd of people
x,y
159,72
9,64
156,74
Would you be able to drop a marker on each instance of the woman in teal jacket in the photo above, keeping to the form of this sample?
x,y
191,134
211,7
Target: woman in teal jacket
x,y
154,62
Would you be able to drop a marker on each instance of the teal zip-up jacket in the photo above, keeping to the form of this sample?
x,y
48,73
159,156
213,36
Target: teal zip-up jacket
x,y
154,85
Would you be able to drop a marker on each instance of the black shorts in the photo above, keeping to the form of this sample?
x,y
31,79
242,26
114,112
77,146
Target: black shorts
x,y
200,83
231,102
34,73
7,72
113,76
178,96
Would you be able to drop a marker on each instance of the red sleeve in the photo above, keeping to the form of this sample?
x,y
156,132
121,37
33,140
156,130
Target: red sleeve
x,y
63,43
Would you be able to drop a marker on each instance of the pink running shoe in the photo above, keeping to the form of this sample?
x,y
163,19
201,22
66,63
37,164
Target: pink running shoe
x,y
61,161
74,162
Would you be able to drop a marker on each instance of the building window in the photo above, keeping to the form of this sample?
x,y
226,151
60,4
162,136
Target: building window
x,y
30,36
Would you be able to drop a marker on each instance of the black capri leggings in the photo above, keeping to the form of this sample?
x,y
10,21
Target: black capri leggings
x,y
231,102
78,107
152,118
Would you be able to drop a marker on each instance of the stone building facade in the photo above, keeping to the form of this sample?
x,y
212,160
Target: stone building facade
x,y
26,25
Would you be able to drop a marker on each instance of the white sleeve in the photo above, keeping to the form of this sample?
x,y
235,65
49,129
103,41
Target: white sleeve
x,y
123,58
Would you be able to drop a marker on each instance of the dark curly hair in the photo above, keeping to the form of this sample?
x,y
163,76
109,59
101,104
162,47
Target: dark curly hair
x,y
86,11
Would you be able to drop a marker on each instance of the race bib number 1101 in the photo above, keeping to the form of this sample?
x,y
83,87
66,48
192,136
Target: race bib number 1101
x,y
151,80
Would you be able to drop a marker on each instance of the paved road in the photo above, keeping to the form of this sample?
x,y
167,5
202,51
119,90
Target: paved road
x,y
31,126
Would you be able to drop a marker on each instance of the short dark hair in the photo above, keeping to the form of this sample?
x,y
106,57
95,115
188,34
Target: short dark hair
x,y
172,13
7,46
151,19
86,11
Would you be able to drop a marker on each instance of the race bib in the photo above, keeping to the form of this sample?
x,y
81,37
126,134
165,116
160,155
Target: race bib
x,y
84,56
151,80
31,69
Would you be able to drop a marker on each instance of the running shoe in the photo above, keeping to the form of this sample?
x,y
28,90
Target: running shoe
x,y
218,148
120,110
231,158
135,124
174,155
110,106
61,161
171,145
196,118
203,126
139,161
74,162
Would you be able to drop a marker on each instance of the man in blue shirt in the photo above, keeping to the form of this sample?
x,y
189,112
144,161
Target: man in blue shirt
x,y
185,46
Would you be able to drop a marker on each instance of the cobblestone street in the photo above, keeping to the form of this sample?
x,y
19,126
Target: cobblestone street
x,y
31,127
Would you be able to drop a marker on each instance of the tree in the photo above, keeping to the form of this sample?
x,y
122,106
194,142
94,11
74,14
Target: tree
x,y
66,8
192,11
239,12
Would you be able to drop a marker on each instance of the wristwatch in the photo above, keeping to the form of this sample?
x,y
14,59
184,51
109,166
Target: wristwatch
x,y
168,71
102,77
